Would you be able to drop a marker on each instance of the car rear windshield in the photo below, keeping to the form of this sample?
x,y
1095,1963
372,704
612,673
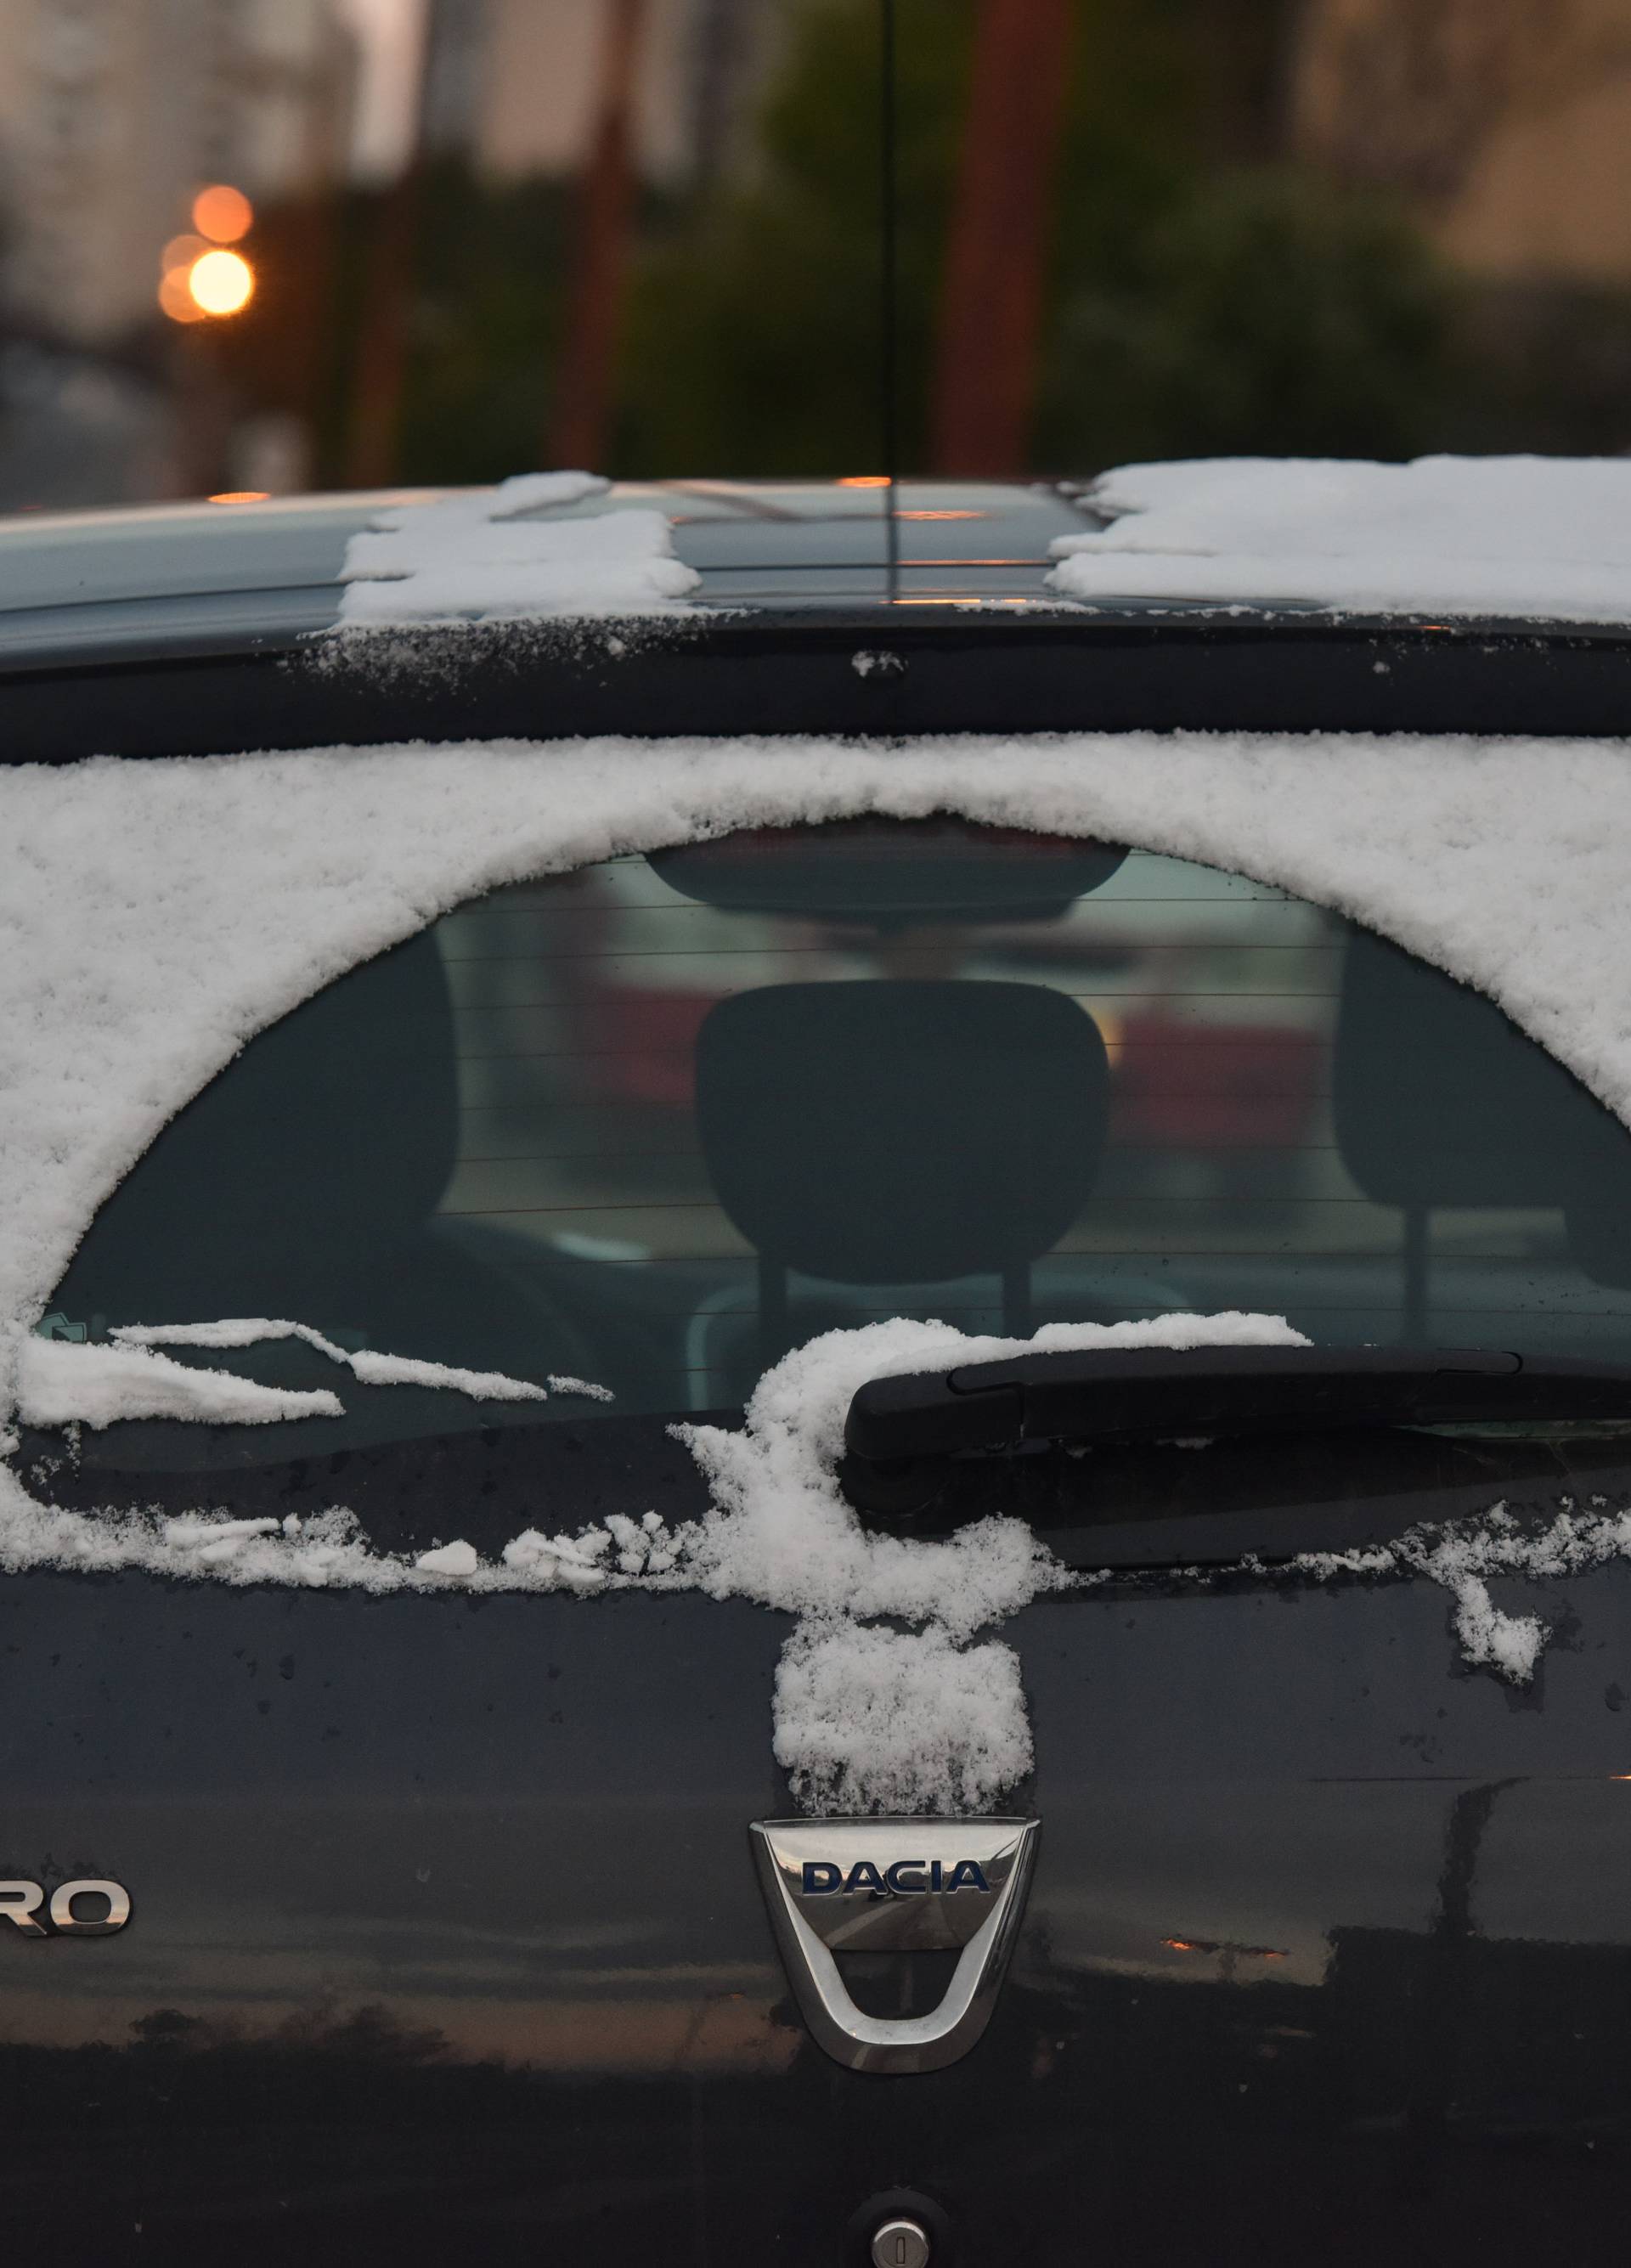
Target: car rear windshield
x,y
648,1125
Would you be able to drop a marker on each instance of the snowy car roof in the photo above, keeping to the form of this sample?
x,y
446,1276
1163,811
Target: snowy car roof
x,y
1506,541
235,571
559,605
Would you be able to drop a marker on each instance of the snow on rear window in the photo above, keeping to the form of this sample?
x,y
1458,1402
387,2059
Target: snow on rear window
x,y
154,916
373,1367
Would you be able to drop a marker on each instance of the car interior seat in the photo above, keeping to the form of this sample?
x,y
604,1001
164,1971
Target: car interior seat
x,y
303,1183
898,1131
1440,1100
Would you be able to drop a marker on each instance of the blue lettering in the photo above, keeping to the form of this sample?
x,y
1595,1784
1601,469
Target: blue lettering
x,y
906,1878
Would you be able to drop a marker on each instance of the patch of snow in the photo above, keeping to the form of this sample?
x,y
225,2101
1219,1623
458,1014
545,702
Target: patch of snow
x,y
190,1530
228,1331
781,1531
925,1721
579,1563
63,1383
373,1369
322,1551
1510,1644
406,1370
878,1720
316,1551
596,1558
1539,538
210,1543
1463,1556
583,1386
643,1546
458,1559
527,492
479,557
1363,1559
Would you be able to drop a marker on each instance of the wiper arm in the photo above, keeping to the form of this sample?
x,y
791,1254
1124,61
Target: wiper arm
x,y
1122,1394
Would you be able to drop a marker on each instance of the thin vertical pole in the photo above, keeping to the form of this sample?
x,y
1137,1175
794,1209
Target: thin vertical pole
x,y
888,278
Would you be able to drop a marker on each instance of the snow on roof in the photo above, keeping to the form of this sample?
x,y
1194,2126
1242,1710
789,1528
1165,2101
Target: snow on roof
x,y
483,557
1547,539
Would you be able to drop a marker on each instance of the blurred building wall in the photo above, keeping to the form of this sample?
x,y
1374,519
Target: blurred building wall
x,y
114,111
518,82
1505,124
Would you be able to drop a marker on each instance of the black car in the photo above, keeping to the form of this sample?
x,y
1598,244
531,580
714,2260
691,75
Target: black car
x,y
1120,1750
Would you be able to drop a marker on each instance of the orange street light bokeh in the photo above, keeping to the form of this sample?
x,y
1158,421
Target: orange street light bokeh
x,y
174,298
220,283
222,213
198,277
181,251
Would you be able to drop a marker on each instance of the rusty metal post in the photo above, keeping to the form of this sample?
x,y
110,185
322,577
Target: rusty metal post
x,y
992,306
581,417
379,375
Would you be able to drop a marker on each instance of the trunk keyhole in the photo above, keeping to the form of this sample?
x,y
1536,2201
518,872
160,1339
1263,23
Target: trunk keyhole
x,y
901,2244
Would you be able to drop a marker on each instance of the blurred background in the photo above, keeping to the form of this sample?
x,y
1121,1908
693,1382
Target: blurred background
x,y
250,246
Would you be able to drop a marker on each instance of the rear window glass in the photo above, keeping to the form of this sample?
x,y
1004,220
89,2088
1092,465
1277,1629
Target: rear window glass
x,y
650,1124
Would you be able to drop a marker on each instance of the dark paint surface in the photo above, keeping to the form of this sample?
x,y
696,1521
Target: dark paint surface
x,y
445,1936
445,1941
162,693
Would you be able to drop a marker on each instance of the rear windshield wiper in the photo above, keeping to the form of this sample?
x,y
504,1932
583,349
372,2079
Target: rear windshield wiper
x,y
900,1429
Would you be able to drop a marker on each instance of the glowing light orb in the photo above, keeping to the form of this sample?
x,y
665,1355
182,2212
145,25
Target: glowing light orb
x,y
220,283
176,301
222,213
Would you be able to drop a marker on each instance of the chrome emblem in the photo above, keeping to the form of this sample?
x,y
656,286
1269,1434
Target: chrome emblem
x,y
906,1886
20,1903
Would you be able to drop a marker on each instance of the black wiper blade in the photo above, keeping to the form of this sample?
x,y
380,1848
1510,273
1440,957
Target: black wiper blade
x,y
1121,1394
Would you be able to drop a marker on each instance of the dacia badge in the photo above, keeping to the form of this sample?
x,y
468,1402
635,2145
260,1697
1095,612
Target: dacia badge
x,y
906,1886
